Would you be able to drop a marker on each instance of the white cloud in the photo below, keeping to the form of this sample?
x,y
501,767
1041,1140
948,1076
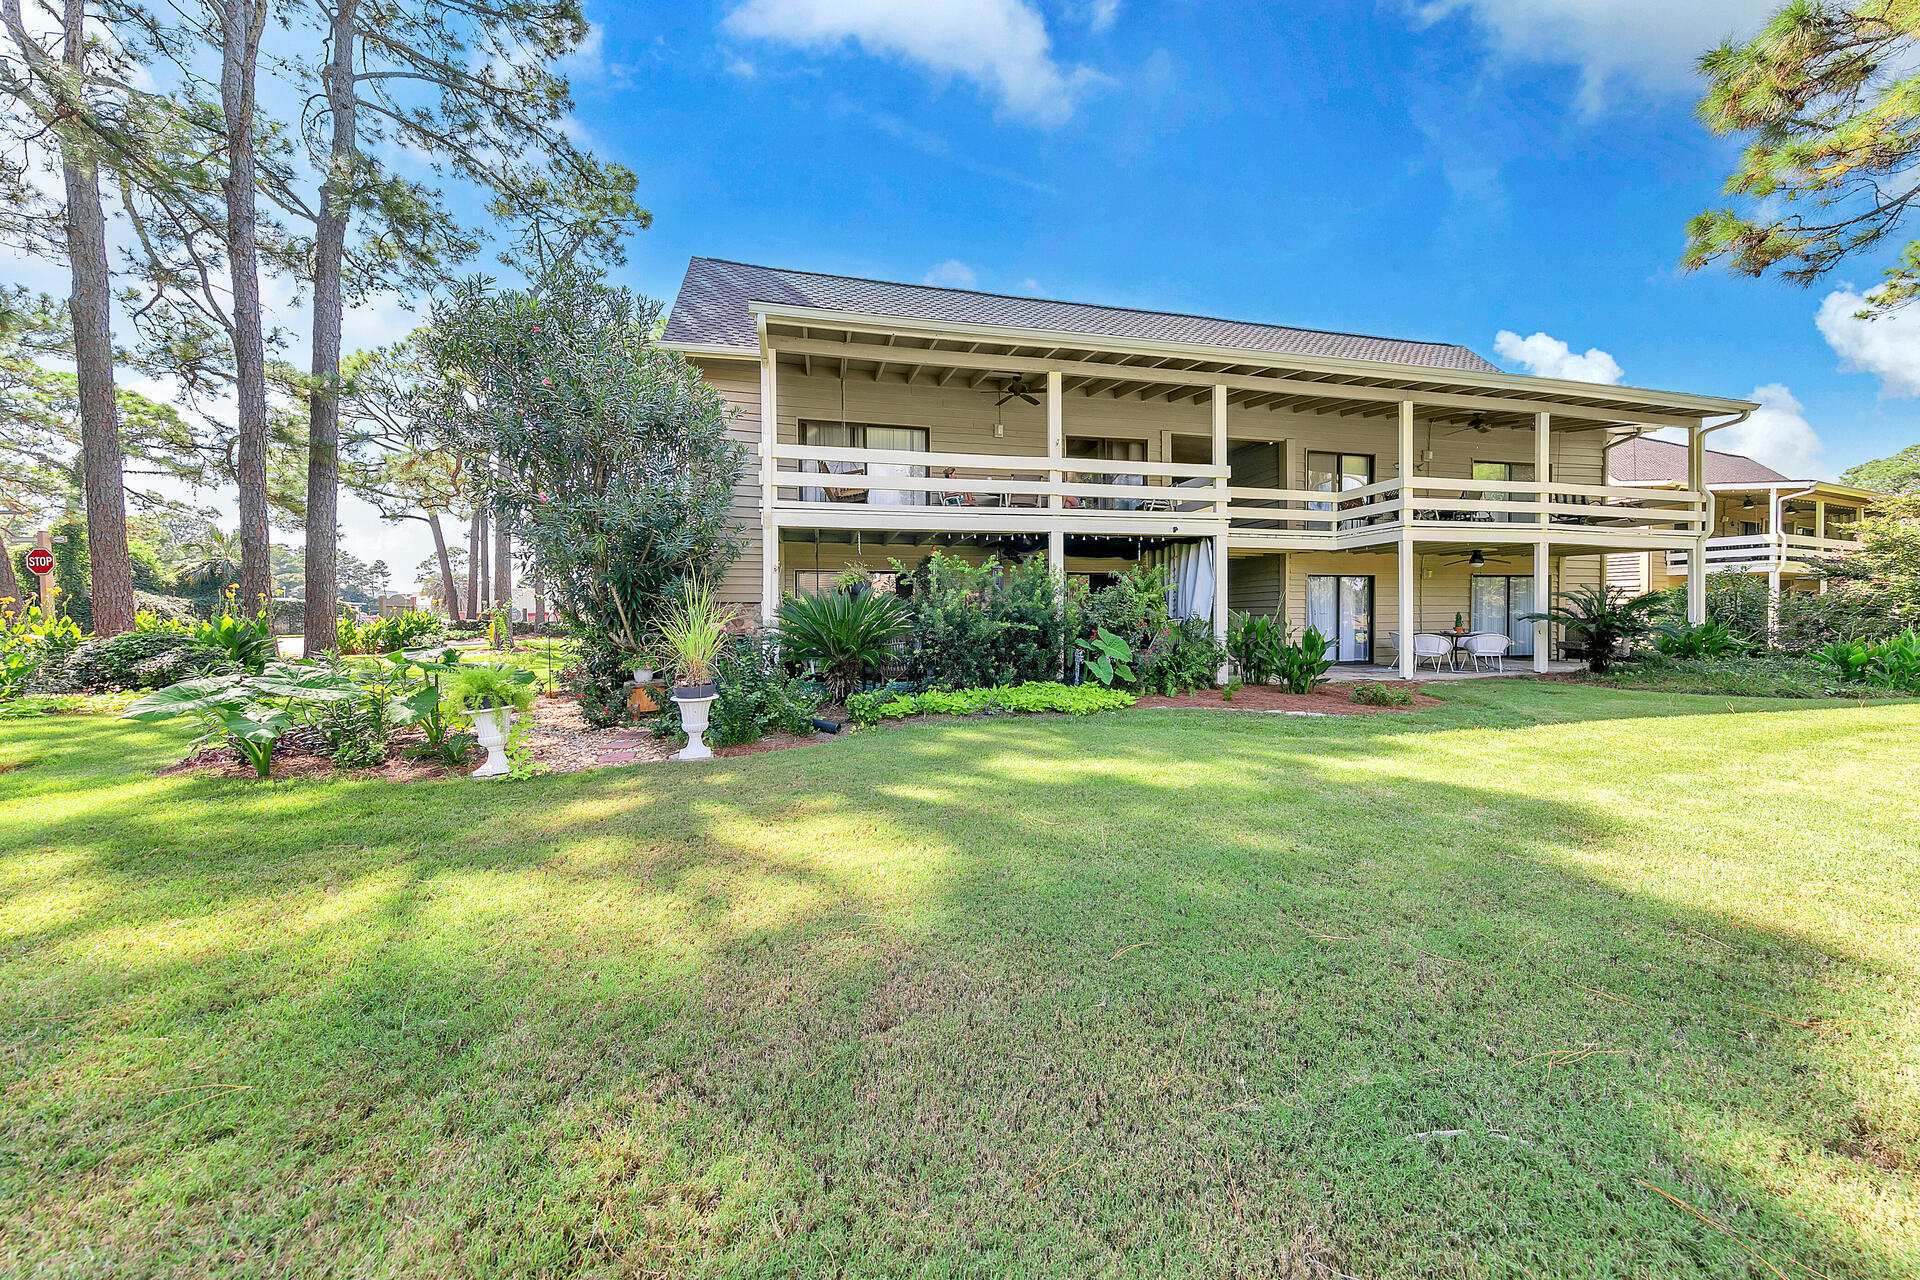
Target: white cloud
x,y
953,274
1030,285
1101,14
1545,356
1000,45
1650,43
1888,348
1778,435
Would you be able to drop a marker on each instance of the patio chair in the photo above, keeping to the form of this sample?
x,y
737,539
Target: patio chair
x,y
1393,643
1488,647
1436,649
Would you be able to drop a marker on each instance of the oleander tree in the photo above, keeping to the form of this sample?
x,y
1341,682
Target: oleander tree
x,y
606,456
1827,97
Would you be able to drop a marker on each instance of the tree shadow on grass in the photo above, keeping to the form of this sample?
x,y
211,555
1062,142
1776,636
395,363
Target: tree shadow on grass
x,y
991,998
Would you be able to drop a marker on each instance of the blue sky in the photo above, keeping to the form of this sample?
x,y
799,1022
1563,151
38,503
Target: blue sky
x,y
1448,170
1441,171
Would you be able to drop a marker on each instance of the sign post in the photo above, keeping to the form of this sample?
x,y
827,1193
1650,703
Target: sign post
x,y
40,561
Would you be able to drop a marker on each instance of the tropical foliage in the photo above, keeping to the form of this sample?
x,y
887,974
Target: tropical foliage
x,y
1598,621
846,636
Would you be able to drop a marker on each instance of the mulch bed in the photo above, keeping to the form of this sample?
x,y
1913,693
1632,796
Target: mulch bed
x,y
560,739
1328,700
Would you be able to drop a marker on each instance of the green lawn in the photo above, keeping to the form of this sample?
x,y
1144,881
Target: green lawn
x,y
1158,993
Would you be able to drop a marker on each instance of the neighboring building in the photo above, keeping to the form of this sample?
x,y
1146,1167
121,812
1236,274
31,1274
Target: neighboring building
x,y
1367,486
1760,521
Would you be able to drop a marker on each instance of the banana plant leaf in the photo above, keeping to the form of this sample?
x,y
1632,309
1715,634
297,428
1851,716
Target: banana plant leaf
x,y
205,693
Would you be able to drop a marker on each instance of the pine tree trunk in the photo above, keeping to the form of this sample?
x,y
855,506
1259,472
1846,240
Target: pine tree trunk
x,y
9,584
100,449
502,566
484,571
241,23
449,590
323,401
473,565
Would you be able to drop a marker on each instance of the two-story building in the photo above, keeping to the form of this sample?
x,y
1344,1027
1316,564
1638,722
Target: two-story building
x,y
1760,521
1370,487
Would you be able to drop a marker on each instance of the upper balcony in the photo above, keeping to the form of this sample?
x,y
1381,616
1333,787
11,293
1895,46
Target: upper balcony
x,y
822,486
1792,554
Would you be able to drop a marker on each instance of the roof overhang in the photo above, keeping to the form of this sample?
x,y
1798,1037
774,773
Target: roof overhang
x,y
1280,380
1824,488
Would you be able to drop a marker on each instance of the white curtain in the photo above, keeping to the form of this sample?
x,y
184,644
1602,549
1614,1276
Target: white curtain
x,y
1190,573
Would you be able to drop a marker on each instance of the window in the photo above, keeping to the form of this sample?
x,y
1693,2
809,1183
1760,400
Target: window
x,y
1337,473
1498,601
1749,528
1341,609
1838,518
813,582
860,435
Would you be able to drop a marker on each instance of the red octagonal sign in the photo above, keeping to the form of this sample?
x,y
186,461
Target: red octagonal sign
x,y
40,561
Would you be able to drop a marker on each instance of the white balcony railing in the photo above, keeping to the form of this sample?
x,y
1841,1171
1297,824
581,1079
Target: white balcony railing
x,y
892,488
1764,553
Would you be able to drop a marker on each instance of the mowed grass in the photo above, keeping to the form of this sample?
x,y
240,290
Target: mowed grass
x,y
1549,980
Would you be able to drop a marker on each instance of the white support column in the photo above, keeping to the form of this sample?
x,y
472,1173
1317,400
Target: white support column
x,y
769,436
1819,517
1776,556
1405,450
1406,589
1056,437
1404,592
1542,601
1697,557
1220,486
1542,457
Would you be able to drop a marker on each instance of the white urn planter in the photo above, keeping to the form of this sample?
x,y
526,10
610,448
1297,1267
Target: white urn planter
x,y
491,727
696,701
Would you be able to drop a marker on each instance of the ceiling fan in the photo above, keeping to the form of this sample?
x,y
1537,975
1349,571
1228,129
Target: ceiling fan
x,y
1474,558
1016,386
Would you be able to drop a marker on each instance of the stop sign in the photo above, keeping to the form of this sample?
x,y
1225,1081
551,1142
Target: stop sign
x,y
40,561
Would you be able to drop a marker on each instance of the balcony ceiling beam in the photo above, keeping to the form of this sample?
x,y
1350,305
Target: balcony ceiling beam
x,y
1164,374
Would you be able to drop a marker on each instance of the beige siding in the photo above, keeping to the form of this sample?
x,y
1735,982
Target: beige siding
x,y
739,385
1256,584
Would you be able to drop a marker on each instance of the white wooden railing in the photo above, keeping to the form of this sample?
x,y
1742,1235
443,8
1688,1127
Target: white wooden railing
x,y
987,481
823,481
1763,552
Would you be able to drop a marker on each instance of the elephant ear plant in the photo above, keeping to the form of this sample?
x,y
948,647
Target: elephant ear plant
x,y
427,707
247,712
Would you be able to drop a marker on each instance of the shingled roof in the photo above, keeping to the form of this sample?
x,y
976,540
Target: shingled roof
x,y
711,309
1644,460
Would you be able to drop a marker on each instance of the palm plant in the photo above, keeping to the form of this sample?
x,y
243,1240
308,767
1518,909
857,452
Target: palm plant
x,y
1597,620
846,635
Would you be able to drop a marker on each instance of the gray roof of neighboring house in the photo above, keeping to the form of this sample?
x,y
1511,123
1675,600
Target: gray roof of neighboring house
x,y
712,309
1643,460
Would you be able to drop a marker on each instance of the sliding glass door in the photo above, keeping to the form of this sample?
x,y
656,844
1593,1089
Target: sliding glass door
x,y
1499,600
1522,471
1337,473
859,435
1341,609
